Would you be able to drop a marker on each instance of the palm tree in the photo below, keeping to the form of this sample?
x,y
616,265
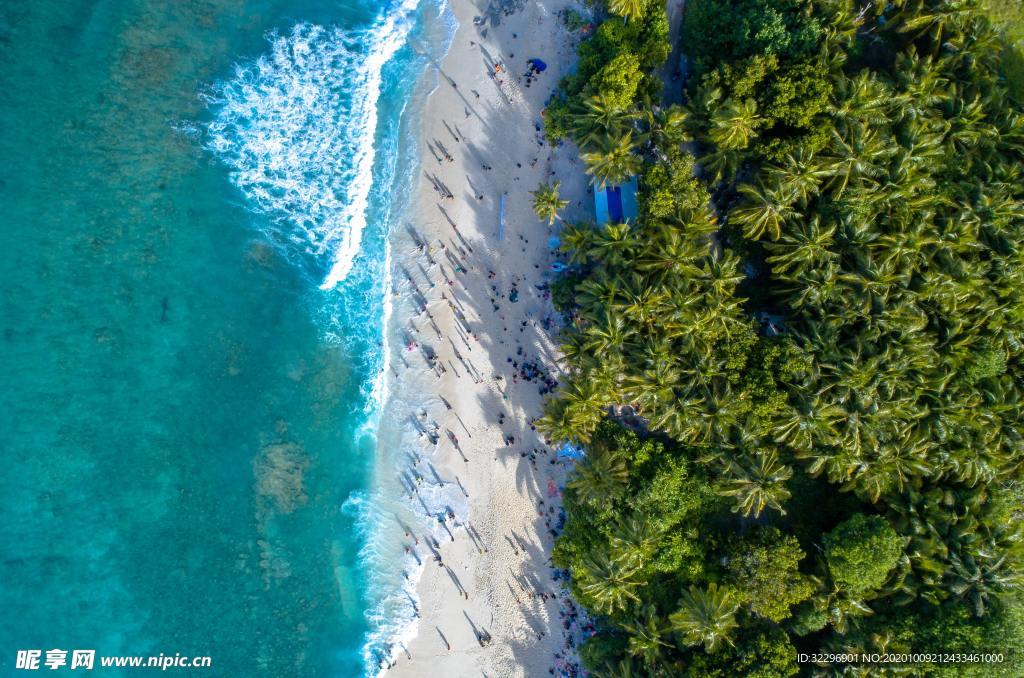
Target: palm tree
x,y
599,118
936,20
644,303
667,128
891,467
909,250
720,273
734,125
547,202
862,101
631,541
800,175
856,159
763,212
706,616
805,246
612,244
611,333
841,609
614,161
598,293
646,636
577,240
982,577
628,9
575,415
757,483
672,256
655,387
612,586
584,401
811,422
602,476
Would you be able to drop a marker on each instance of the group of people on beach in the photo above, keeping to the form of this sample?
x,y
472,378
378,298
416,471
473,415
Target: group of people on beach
x,y
515,302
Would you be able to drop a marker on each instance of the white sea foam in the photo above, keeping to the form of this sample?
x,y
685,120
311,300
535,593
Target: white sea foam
x,y
380,515
393,613
383,516
297,129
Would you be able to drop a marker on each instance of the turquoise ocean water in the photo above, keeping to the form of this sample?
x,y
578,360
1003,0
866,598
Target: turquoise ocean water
x,y
195,200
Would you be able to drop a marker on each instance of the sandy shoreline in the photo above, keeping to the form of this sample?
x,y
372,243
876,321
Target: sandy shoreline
x,y
481,141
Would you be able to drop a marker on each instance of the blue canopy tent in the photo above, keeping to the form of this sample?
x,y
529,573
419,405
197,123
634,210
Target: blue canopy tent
x,y
616,204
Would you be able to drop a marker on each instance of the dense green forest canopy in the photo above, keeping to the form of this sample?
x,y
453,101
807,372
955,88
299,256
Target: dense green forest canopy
x,y
1008,18
798,374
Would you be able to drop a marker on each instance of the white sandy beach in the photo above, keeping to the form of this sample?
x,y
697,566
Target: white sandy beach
x,y
494,579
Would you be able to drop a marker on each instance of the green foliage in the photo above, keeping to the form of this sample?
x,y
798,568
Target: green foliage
x,y
987,360
563,291
558,120
596,106
646,42
603,649
861,552
945,629
547,203
830,355
613,65
785,106
671,189
642,523
768,654
669,498
731,30
1008,16
764,568
797,95
618,79
706,616
810,619
628,9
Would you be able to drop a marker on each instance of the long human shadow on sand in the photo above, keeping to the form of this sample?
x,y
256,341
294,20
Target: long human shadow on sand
x,y
479,190
492,350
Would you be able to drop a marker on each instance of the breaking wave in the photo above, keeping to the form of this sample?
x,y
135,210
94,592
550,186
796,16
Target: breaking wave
x,y
305,133
297,129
